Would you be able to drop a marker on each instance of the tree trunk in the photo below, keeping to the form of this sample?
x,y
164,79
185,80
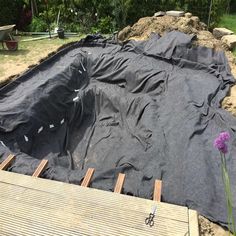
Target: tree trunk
x,y
34,7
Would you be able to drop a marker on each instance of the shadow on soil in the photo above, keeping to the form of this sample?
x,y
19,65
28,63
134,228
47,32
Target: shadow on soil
x,y
18,52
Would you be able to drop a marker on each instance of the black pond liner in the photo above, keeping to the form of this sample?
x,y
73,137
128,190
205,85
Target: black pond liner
x,y
149,109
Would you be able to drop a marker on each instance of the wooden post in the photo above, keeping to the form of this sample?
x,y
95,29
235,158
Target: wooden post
x,y
7,162
157,190
193,223
41,167
88,176
119,183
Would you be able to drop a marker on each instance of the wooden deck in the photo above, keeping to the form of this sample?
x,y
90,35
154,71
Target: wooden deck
x,y
32,206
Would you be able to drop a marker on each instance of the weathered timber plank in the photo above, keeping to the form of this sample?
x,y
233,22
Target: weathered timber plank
x,y
193,223
48,201
92,195
119,183
83,223
36,206
7,162
88,176
41,167
157,190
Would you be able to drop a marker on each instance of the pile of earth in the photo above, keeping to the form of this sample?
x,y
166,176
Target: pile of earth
x,y
188,24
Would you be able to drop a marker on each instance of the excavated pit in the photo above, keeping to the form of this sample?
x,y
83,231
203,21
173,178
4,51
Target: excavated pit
x,y
149,109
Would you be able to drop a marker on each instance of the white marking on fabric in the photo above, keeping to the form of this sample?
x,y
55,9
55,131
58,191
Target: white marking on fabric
x,y
82,66
40,129
2,143
26,138
51,126
80,72
75,99
62,121
76,90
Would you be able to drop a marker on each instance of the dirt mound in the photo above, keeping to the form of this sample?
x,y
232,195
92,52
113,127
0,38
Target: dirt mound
x,y
145,26
189,25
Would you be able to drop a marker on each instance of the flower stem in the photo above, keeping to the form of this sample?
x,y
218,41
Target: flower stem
x,y
228,194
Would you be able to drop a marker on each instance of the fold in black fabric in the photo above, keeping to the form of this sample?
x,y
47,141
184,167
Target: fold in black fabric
x,y
149,109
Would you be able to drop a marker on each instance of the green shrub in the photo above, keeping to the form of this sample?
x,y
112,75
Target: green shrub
x,y
94,30
108,15
38,25
71,27
105,25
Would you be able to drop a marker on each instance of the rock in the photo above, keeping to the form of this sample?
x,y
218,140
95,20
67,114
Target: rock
x,y
229,40
188,15
175,13
195,19
203,25
122,35
220,32
159,13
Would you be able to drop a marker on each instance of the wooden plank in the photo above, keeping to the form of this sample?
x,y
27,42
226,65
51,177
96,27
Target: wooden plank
x,y
119,183
193,223
88,176
83,218
21,224
107,199
41,167
157,190
38,207
7,162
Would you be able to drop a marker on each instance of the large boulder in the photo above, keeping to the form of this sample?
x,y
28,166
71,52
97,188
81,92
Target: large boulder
x,y
220,32
229,40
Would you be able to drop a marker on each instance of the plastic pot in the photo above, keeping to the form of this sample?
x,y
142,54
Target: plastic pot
x,y
60,33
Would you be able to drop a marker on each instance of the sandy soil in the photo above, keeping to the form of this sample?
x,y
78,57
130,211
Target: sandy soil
x,y
15,66
207,228
14,63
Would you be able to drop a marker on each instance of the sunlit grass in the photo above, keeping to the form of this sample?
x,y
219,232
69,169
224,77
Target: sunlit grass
x,y
30,47
29,53
234,52
229,22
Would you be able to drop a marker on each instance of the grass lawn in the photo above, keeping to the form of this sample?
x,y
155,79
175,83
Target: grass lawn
x,y
28,53
229,22
234,52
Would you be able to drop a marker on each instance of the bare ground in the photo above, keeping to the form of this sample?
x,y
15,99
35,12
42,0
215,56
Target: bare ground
x,y
29,54
207,228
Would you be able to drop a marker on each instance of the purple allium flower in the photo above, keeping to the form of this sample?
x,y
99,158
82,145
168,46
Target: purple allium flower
x,y
224,136
219,142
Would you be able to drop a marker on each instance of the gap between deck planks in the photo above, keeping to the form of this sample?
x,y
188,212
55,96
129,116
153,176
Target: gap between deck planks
x,y
7,162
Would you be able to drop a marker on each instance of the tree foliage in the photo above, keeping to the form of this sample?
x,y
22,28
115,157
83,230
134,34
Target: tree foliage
x,y
107,15
10,11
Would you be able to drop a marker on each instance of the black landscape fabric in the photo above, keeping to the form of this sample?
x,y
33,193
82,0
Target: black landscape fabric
x,y
149,109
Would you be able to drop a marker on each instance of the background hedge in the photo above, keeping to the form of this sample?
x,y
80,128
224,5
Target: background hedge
x,y
102,15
